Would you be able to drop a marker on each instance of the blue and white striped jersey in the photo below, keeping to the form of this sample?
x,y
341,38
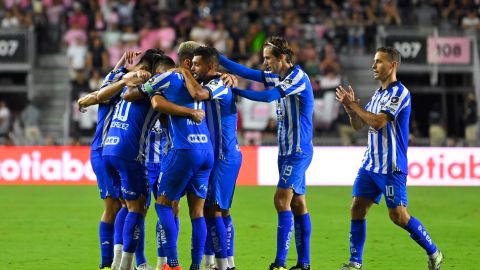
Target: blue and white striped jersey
x,y
221,118
294,111
130,129
105,110
159,143
387,147
185,133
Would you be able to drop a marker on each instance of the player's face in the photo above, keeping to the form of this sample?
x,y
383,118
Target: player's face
x,y
382,66
199,67
270,61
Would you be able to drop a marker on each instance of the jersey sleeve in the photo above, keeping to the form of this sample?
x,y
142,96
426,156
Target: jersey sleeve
x,y
398,100
270,79
157,84
293,83
217,89
113,76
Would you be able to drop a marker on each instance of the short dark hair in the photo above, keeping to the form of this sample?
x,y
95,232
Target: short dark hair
x,y
162,60
393,54
279,46
149,57
209,54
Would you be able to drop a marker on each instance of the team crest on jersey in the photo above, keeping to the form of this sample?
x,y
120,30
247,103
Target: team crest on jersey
x,y
394,100
213,83
289,81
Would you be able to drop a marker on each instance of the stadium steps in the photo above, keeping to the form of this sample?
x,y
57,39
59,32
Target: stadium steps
x,y
52,91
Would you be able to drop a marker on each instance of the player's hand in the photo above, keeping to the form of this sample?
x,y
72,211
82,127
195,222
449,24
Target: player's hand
x,y
86,101
197,116
129,56
344,96
229,80
135,78
179,70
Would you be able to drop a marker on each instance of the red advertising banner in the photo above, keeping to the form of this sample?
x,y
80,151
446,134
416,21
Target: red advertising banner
x,y
46,166
331,166
71,166
448,50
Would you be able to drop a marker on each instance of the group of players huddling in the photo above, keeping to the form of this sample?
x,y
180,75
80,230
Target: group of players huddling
x,y
172,131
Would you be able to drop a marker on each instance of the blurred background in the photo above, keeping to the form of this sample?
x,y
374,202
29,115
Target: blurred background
x,y
53,51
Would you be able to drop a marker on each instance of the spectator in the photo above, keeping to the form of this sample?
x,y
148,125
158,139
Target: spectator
x,y
471,120
165,34
471,22
201,32
391,15
4,119
77,54
96,80
30,118
220,37
436,130
356,33
97,56
12,19
78,17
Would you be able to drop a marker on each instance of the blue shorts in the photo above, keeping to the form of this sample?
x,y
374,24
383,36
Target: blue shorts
x,y
372,185
133,176
223,177
153,171
185,171
108,181
292,169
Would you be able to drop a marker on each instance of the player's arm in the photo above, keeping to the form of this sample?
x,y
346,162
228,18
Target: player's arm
x,y
109,91
355,121
263,96
347,98
133,92
87,101
196,90
241,70
161,104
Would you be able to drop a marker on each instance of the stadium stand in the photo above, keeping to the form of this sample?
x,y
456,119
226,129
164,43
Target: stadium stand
x,y
55,40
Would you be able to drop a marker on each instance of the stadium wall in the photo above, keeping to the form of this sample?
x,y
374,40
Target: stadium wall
x,y
331,166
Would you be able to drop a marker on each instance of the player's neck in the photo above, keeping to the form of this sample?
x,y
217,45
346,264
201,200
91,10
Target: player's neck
x,y
284,70
388,81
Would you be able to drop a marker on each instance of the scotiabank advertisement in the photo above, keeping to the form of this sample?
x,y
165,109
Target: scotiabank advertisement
x,y
331,166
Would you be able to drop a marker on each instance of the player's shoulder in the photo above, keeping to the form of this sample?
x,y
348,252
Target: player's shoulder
x,y
399,89
215,82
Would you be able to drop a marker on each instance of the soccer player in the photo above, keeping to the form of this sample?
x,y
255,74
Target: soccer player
x,y
159,145
293,93
222,122
109,191
384,167
124,153
185,169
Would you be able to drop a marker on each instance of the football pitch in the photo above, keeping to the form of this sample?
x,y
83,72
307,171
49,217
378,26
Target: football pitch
x,y
56,228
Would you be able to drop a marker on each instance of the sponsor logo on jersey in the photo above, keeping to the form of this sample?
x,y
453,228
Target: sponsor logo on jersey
x,y
197,138
112,140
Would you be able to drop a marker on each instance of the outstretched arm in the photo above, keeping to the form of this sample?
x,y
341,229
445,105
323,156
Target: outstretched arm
x,y
241,70
87,101
161,104
263,96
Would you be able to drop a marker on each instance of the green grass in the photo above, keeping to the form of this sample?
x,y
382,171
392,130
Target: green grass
x,y
56,228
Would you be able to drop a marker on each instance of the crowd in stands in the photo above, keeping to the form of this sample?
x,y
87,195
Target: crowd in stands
x,y
94,34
